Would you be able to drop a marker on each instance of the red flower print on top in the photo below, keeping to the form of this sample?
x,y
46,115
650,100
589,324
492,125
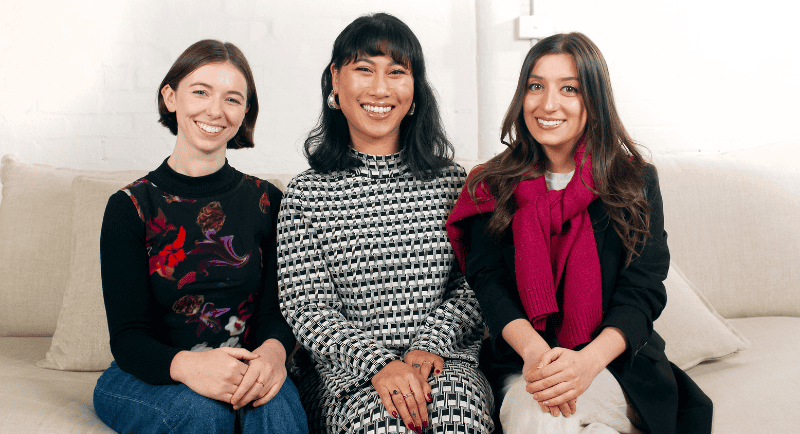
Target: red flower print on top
x,y
220,253
157,226
172,198
165,261
263,203
211,217
208,318
245,305
243,309
188,305
190,277
256,180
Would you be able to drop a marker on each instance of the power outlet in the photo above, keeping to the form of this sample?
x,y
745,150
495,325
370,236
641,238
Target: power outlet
x,y
534,26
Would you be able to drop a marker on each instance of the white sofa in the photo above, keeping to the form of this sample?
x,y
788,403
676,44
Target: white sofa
x,y
731,224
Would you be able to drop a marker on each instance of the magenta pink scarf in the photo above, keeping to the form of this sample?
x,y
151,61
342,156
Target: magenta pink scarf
x,y
554,243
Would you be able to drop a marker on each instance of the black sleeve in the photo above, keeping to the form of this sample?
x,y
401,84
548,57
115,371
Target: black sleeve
x,y
639,295
129,302
488,274
271,323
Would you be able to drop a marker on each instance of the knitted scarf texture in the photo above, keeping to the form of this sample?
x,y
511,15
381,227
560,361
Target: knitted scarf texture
x,y
555,259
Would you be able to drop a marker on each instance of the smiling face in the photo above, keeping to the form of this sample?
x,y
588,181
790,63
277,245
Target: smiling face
x,y
209,104
375,94
553,106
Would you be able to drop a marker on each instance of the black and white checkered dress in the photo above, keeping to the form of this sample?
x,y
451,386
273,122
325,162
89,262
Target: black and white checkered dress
x,y
367,275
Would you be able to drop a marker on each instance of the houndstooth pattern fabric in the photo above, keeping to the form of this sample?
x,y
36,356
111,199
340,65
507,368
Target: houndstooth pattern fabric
x,y
367,274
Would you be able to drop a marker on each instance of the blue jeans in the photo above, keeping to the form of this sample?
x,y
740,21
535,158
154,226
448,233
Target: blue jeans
x,y
129,405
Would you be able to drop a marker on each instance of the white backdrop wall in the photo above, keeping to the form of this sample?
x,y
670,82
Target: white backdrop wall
x,y
81,76
78,79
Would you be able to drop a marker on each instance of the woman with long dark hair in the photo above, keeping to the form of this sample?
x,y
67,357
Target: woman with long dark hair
x,y
368,279
188,262
562,238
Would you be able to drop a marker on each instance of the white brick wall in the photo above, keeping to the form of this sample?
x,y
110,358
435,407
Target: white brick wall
x,y
78,79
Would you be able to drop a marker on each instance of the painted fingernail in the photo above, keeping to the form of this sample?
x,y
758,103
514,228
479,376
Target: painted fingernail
x,y
425,424
394,414
438,371
430,399
411,427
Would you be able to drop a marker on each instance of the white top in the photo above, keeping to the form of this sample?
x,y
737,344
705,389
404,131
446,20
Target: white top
x,y
557,181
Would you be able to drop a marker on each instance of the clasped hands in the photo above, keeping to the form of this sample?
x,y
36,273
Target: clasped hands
x,y
403,387
233,375
558,378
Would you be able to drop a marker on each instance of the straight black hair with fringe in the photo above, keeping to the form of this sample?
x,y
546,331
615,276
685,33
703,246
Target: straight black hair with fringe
x,y
422,137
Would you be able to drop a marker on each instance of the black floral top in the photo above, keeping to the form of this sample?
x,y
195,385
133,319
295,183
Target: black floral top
x,y
189,263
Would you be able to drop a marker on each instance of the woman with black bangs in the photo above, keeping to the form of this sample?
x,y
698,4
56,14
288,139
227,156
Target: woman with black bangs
x,y
368,279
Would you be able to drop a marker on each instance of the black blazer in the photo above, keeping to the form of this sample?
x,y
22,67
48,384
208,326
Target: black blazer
x,y
667,400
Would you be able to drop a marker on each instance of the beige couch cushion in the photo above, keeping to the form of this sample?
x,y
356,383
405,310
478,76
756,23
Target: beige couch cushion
x,y
35,228
80,342
693,330
756,391
732,227
41,401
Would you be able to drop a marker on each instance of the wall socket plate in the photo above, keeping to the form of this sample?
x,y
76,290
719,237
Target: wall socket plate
x,y
534,26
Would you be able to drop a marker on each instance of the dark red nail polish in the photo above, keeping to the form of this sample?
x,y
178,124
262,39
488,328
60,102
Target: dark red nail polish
x,y
394,414
438,371
411,427
425,424
429,398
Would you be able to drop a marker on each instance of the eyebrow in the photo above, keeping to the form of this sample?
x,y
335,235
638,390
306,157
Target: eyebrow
x,y
562,79
200,83
365,59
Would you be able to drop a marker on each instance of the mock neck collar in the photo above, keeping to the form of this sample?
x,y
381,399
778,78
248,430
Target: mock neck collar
x,y
380,166
221,181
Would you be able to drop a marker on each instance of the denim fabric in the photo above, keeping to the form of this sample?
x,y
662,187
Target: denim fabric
x,y
128,405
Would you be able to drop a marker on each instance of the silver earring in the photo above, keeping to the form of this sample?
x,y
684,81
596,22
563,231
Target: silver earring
x,y
332,101
413,106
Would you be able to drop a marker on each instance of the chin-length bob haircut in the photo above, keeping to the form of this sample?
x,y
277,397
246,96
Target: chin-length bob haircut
x,y
202,53
422,138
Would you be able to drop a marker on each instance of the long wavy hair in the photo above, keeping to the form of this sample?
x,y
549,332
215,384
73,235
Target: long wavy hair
x,y
617,165
422,138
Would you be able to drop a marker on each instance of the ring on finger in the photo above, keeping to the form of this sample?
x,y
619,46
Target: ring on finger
x,y
425,361
406,395
395,392
417,365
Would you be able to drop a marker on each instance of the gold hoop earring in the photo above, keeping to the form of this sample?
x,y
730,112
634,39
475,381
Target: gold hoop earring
x,y
332,101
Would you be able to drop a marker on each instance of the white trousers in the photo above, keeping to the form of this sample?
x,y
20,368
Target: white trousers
x,y
602,408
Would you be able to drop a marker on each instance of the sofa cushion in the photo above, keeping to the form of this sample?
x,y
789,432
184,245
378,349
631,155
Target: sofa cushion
x,y
34,400
731,224
35,227
80,341
693,330
756,391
